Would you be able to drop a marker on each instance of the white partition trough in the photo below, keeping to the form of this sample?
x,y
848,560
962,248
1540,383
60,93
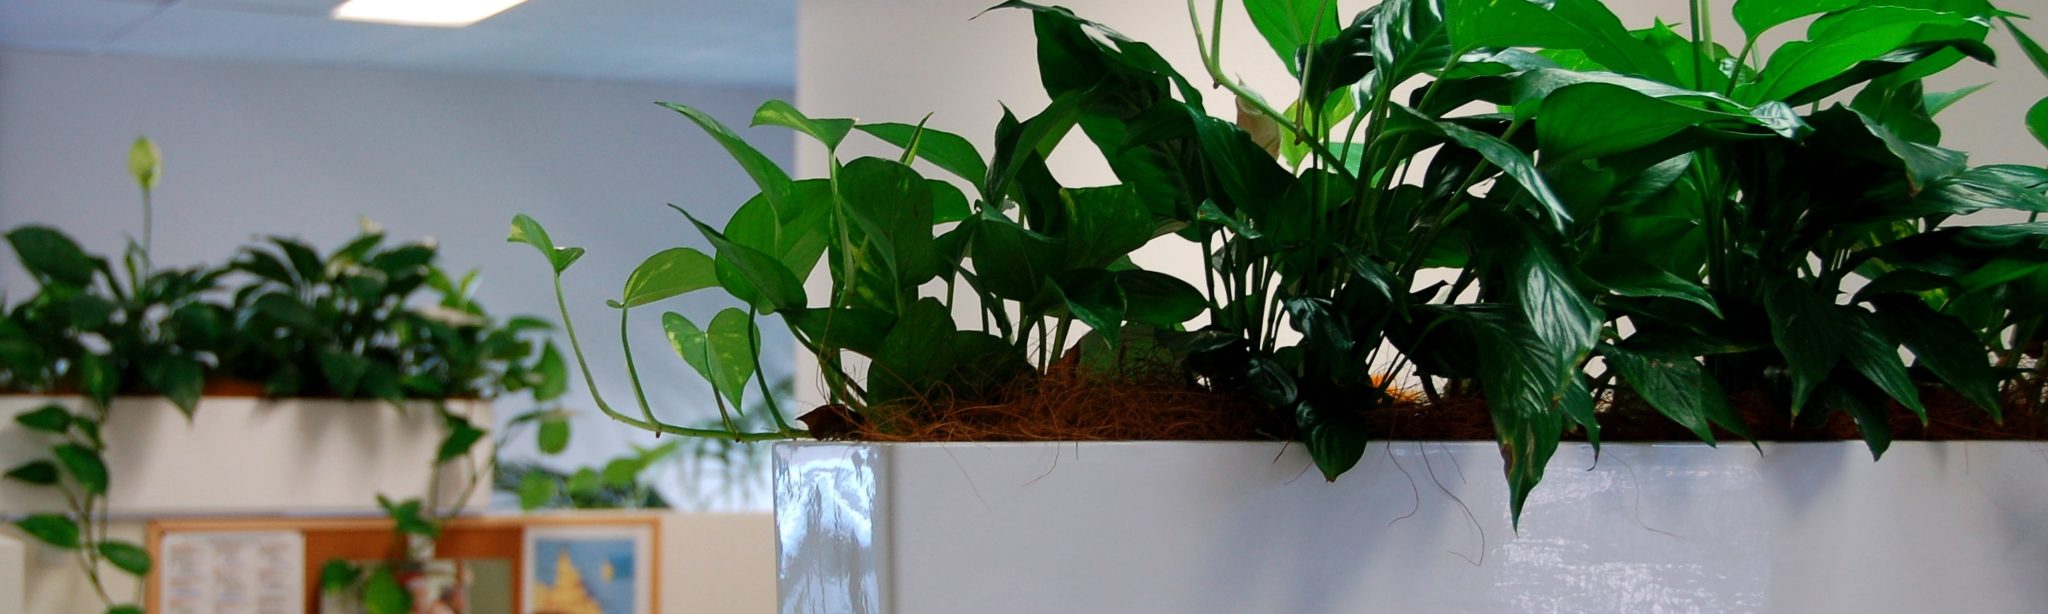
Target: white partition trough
x,y
1417,527
251,456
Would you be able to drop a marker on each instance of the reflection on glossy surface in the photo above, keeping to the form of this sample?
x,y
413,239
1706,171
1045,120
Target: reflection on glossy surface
x,y
827,559
1416,527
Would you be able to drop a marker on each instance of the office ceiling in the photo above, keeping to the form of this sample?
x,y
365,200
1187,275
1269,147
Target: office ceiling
x,y
727,42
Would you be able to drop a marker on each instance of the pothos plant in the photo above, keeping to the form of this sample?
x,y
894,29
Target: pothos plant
x,y
348,325
1526,203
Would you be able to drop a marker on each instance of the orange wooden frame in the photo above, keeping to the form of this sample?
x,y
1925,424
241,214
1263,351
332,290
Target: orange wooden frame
x,y
360,539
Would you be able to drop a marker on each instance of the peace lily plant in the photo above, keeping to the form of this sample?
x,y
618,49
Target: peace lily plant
x,y
1654,223
370,321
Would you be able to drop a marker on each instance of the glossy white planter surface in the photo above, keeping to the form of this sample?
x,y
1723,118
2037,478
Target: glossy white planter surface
x,y
249,456
1417,527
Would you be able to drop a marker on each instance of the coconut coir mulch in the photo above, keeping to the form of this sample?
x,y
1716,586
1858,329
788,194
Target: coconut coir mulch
x,y
1065,406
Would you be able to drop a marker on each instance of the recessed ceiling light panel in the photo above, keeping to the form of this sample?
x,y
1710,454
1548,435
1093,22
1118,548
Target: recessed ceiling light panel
x,y
429,13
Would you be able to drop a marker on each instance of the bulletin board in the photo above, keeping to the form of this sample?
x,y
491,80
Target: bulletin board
x,y
224,545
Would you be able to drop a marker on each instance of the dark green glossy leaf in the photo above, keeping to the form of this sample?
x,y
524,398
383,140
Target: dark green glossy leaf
x,y
1593,120
1842,41
52,257
1335,444
1515,163
1334,63
1093,297
1870,410
945,150
1876,356
779,113
1563,318
1104,224
669,273
1288,25
1159,299
1630,277
84,465
892,205
1945,346
852,328
126,556
915,356
38,472
1677,386
51,529
1806,331
753,275
51,419
1013,262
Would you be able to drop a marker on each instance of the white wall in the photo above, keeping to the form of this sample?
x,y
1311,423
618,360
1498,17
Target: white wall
x,y
255,150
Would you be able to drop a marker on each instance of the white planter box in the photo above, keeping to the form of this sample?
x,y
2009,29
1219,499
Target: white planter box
x,y
250,456
1251,527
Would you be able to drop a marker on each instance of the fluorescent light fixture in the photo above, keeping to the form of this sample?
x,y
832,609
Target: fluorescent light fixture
x,y
430,13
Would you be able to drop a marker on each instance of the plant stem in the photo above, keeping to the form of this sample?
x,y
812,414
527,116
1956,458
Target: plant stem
x,y
590,380
761,375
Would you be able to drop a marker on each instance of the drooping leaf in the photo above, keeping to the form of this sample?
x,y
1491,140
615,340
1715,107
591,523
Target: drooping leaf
x,y
779,113
723,353
775,184
1876,356
1093,297
1674,385
669,273
1805,329
1159,299
126,556
1515,163
51,257
37,472
1945,346
84,465
54,530
51,419
1630,277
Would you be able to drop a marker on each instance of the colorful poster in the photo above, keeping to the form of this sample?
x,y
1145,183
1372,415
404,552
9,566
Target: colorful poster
x,y
589,570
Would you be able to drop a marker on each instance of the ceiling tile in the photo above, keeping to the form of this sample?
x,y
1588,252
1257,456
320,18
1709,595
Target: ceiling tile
x,y
67,25
205,33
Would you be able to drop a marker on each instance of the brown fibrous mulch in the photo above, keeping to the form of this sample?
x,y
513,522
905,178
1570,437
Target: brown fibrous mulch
x,y
1067,405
